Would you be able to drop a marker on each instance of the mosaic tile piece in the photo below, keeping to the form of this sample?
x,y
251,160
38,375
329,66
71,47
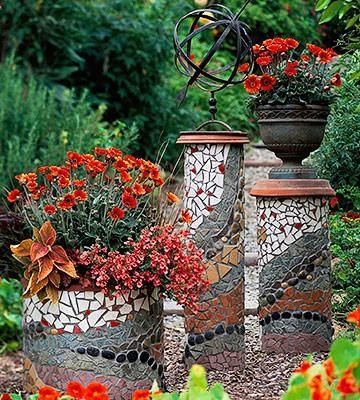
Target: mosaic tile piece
x,y
105,343
295,286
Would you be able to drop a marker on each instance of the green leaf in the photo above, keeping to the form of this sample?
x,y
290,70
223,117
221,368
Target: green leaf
x,y
344,10
343,352
322,4
297,393
352,21
331,11
15,396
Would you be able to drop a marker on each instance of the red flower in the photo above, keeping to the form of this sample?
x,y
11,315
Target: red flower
x,y
305,58
347,383
252,84
80,195
79,183
257,49
291,68
291,43
336,80
96,391
329,368
318,391
13,196
76,159
267,82
244,67
186,217
263,61
141,395
75,390
67,202
172,198
125,176
313,49
334,202
5,396
128,200
138,189
50,209
304,366
324,56
116,213
48,393
354,317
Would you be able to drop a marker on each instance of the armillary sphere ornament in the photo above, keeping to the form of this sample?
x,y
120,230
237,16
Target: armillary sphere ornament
x,y
207,74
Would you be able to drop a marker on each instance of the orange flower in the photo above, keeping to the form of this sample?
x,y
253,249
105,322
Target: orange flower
x,y
318,391
125,176
172,198
324,56
347,383
313,49
257,49
267,82
303,367
354,317
116,213
48,393
80,195
141,395
305,58
67,202
50,209
64,181
138,189
186,217
128,200
25,178
291,43
252,84
31,186
79,183
75,390
76,159
329,368
96,391
336,80
244,67
13,196
263,61
291,68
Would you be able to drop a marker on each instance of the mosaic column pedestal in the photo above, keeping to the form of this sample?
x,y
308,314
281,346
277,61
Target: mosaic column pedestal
x,y
214,182
294,257
87,336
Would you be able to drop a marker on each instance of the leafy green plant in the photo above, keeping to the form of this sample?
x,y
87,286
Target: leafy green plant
x,y
10,315
345,237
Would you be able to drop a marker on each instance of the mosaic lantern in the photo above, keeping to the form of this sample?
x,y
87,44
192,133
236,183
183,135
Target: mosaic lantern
x,y
88,336
294,257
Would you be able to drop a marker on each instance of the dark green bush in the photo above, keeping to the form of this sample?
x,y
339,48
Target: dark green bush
x,y
38,125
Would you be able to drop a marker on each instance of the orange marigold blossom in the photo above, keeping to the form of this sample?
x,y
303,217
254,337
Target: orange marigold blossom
x,y
116,213
172,198
267,82
75,390
128,200
49,209
313,49
125,176
185,216
48,393
252,84
141,395
329,368
318,390
347,383
324,56
13,196
263,61
138,189
244,67
67,202
354,317
80,195
96,391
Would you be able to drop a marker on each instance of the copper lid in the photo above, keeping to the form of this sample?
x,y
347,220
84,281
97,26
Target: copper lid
x,y
292,188
213,137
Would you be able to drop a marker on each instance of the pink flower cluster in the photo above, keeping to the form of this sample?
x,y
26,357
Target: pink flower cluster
x,y
161,258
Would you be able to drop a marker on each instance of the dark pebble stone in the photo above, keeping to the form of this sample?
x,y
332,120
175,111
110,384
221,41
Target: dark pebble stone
x,y
323,319
191,340
242,329
297,314
93,351
307,315
302,274
270,298
316,316
81,350
230,329
310,268
279,293
144,356
267,319
121,358
151,359
262,322
132,356
219,330
200,339
275,316
293,281
286,315
160,369
108,354
332,331
209,335
187,352
154,367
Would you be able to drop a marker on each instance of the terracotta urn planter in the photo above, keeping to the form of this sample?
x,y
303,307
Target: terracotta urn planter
x,y
88,336
292,132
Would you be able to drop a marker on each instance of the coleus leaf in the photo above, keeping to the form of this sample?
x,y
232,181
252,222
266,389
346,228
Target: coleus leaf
x,y
47,234
38,251
59,255
68,268
46,266
22,249
52,293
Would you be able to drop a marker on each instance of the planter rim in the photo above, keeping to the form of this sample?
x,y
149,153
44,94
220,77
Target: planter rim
x,y
213,137
292,106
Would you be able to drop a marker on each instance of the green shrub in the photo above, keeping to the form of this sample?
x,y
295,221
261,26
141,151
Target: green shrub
x,y
38,125
338,158
345,237
10,315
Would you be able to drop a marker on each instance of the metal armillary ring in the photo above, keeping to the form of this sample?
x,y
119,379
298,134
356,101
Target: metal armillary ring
x,y
228,24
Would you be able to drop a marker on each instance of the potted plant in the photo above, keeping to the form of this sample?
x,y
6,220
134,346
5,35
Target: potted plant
x,y
292,97
96,269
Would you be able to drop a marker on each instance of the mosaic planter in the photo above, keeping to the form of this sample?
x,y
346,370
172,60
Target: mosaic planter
x,y
292,132
214,182
294,258
88,337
